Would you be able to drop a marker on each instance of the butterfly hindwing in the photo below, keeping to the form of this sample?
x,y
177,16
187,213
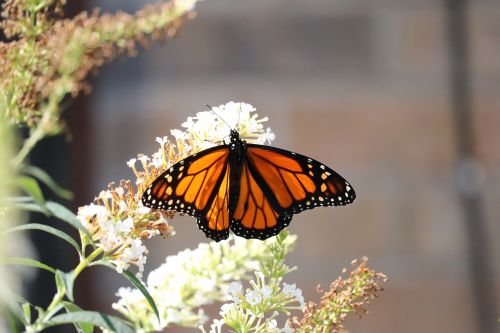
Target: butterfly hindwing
x,y
254,215
214,222
190,185
294,182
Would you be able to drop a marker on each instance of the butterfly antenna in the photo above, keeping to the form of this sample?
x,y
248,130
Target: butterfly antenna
x,y
218,115
239,114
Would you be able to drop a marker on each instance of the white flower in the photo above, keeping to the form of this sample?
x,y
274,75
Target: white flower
x,y
235,288
143,158
103,195
253,297
217,325
119,190
292,290
157,159
213,126
185,5
137,249
272,326
142,210
91,211
225,308
178,134
266,292
123,206
125,226
121,264
260,275
162,141
131,162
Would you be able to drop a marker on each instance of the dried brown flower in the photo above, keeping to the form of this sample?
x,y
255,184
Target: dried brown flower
x,y
49,57
351,294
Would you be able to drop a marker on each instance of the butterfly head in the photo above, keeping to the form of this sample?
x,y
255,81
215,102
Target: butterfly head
x,y
234,136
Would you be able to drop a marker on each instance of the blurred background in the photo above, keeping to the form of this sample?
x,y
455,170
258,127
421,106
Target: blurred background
x,y
400,97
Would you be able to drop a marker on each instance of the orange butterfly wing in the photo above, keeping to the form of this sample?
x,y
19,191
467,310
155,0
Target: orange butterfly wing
x,y
256,201
276,183
254,215
197,186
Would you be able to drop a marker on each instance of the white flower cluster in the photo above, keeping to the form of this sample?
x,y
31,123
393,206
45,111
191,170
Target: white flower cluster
x,y
213,127
257,307
191,279
114,237
255,302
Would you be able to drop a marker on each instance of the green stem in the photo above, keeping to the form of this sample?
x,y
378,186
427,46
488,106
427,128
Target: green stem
x,y
59,296
85,263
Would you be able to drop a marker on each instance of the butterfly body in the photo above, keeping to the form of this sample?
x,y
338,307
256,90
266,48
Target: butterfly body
x,y
251,189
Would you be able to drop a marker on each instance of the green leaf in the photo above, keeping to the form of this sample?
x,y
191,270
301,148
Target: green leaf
x,y
94,318
30,186
57,210
27,262
66,215
142,288
65,282
26,312
137,283
50,230
28,206
45,178
19,199
61,286
13,322
80,327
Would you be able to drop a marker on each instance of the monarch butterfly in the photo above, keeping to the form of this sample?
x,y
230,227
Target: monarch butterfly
x,y
251,189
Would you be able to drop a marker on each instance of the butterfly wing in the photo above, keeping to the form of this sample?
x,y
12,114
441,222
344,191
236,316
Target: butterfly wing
x,y
254,215
297,182
197,186
276,183
214,222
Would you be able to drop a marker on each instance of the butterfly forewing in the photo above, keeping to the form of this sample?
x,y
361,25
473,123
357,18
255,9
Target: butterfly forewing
x,y
190,185
295,182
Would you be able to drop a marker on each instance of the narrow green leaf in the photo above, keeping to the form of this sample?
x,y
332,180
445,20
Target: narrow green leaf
x,y
137,283
28,206
142,288
50,230
26,312
18,199
27,262
80,327
61,287
94,318
66,215
65,282
45,178
16,311
30,186
13,322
